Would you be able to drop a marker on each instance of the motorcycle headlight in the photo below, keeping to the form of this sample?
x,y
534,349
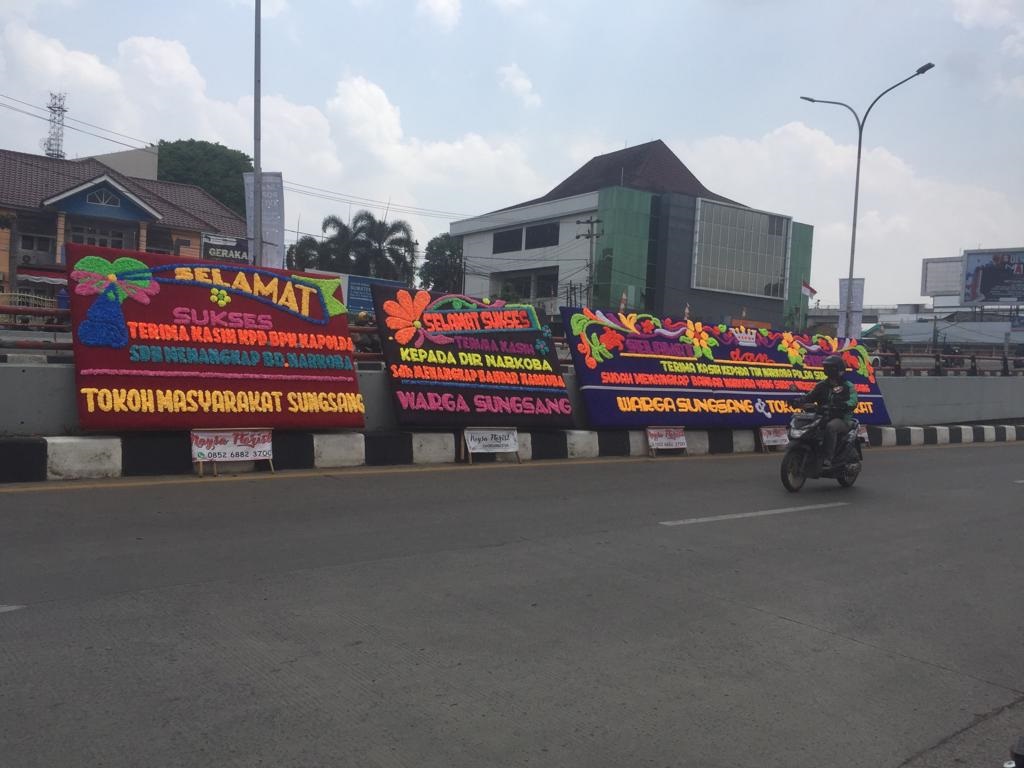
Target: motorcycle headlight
x,y
797,432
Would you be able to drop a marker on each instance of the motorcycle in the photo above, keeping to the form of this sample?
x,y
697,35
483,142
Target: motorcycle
x,y
805,454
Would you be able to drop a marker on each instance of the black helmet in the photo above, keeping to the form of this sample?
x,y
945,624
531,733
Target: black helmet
x,y
834,365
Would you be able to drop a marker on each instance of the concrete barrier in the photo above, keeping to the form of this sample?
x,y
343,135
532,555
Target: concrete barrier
x,y
909,436
697,442
72,458
525,450
433,448
960,434
936,435
913,400
638,442
345,449
39,399
743,441
22,459
984,433
1008,432
581,444
882,436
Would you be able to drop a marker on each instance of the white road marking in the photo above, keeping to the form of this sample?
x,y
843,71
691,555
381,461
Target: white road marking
x,y
760,513
6,608
1019,482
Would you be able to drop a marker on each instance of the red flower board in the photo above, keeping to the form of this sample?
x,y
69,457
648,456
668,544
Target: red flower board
x,y
166,343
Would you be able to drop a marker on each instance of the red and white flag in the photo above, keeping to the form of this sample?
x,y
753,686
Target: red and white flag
x,y
806,290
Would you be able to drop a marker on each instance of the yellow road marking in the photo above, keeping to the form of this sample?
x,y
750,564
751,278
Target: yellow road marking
x,y
341,473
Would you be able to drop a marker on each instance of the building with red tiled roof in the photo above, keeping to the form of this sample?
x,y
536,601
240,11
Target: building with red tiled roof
x,y
46,202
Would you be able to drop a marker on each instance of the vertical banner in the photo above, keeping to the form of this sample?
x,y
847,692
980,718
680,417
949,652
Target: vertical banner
x,y
459,361
857,309
273,217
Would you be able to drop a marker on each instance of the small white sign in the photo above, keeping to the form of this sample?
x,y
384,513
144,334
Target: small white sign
x,y
492,439
232,445
774,436
666,438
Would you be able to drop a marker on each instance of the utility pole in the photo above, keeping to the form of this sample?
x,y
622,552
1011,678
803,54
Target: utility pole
x,y
592,236
257,176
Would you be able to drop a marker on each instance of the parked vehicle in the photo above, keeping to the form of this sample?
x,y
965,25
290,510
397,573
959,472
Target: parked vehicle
x,y
804,457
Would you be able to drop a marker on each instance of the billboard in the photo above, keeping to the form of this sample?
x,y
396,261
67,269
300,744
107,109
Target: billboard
x,y
166,343
994,276
273,217
357,289
458,361
942,276
639,370
234,250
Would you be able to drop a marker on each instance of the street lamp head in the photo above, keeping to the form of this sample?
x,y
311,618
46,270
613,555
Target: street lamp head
x,y
808,98
924,68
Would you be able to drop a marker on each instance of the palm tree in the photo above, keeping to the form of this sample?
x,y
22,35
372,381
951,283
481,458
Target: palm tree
x,y
383,249
337,250
304,254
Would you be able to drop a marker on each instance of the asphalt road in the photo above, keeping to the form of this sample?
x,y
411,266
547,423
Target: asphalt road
x,y
535,615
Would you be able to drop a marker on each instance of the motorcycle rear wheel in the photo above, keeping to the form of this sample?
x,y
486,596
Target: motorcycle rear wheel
x,y
846,478
792,470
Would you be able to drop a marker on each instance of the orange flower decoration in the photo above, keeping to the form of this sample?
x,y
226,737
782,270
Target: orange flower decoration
x,y
696,332
404,314
789,343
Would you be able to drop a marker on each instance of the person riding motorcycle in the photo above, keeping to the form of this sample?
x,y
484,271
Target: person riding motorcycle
x,y
839,397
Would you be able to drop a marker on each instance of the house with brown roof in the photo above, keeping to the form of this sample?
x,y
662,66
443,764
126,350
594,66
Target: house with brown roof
x,y
636,229
46,202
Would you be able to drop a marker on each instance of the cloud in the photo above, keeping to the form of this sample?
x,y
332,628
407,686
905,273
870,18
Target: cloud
x,y
26,9
444,13
510,5
151,89
984,13
1002,15
904,215
512,78
1013,86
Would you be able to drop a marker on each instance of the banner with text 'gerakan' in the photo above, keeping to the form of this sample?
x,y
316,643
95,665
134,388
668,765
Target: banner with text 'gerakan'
x,y
638,370
168,343
458,361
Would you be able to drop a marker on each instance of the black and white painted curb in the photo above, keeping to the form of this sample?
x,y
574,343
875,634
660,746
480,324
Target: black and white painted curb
x,y
32,459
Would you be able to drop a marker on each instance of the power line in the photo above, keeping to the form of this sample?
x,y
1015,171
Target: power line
x,y
73,128
83,122
308,190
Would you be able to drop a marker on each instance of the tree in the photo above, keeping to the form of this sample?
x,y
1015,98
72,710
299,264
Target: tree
x,y
442,267
337,252
212,167
303,254
383,249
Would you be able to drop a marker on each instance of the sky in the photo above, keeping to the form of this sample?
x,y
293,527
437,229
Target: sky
x,y
436,110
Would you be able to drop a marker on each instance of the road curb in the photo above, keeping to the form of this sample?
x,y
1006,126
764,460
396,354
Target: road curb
x,y
32,459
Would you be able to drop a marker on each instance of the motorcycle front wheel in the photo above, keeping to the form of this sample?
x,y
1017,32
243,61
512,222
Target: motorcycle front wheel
x,y
792,470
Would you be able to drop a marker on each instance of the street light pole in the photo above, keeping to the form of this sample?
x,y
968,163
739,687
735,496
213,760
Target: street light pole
x,y
257,176
848,330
